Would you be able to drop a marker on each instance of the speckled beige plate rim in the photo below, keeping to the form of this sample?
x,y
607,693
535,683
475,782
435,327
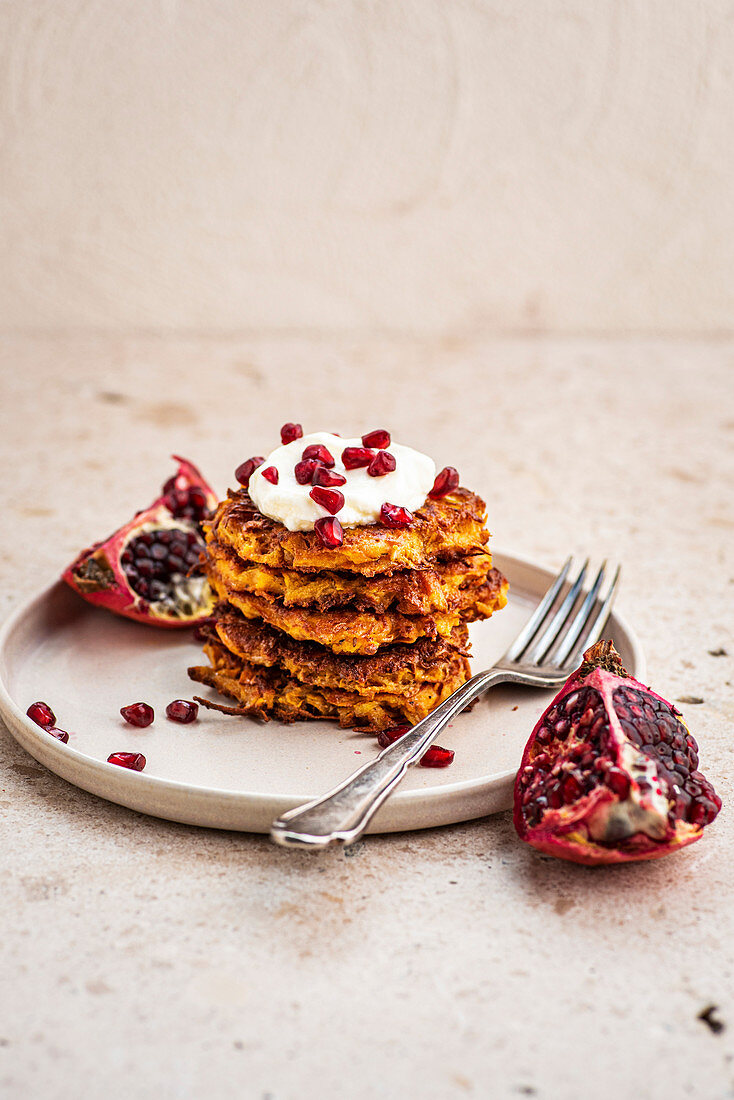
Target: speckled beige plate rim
x,y
254,810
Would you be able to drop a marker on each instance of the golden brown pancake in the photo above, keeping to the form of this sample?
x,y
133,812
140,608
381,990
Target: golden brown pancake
x,y
397,668
444,528
348,631
370,634
271,692
409,591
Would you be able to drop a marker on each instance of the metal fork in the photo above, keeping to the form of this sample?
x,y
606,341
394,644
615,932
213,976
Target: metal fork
x,y
541,656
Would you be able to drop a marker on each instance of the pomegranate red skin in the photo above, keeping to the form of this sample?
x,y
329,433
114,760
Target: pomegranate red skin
x,y
562,832
97,575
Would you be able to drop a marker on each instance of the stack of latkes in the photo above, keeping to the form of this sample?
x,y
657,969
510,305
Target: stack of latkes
x,y
371,633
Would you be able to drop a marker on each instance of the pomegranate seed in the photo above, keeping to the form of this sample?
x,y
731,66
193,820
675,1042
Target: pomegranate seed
x,y
571,789
383,463
618,782
387,737
42,715
327,478
289,432
244,472
379,438
437,757
60,735
181,710
330,499
355,457
445,482
319,451
392,515
271,475
305,470
138,714
329,530
133,760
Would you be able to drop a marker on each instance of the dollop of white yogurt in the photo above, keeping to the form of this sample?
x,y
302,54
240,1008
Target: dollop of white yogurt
x,y
290,504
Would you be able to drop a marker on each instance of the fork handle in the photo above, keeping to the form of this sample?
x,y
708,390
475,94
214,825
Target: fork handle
x,y
345,812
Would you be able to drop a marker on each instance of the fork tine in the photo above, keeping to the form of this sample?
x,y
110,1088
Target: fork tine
x,y
594,632
528,631
550,634
571,636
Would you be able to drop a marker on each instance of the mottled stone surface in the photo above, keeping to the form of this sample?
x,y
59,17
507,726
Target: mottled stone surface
x,y
147,959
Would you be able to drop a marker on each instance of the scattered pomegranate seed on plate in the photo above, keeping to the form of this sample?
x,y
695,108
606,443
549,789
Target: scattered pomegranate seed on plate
x,y
138,714
330,499
387,737
433,757
330,531
60,735
244,472
378,438
383,463
391,515
437,757
42,715
290,432
182,710
133,760
446,481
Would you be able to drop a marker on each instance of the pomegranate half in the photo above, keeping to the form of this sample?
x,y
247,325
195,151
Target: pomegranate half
x,y
610,773
150,569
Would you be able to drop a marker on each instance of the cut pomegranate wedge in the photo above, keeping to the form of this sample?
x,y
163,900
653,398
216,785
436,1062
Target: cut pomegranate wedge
x,y
150,570
610,773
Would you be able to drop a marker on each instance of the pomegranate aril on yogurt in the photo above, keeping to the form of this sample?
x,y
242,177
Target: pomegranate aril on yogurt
x,y
319,452
328,478
138,714
330,499
271,475
305,470
42,715
244,472
378,438
445,482
182,710
330,531
290,432
60,735
383,463
133,760
392,515
354,458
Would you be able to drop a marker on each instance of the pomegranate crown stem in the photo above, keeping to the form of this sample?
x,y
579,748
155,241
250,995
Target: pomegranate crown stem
x,y
603,655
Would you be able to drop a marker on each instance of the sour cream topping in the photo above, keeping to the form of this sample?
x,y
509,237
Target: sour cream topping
x,y
290,504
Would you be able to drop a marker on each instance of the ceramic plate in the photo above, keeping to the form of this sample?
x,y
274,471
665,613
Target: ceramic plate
x,y
236,773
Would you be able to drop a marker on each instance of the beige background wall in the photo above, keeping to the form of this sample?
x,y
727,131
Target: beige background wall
x,y
422,166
